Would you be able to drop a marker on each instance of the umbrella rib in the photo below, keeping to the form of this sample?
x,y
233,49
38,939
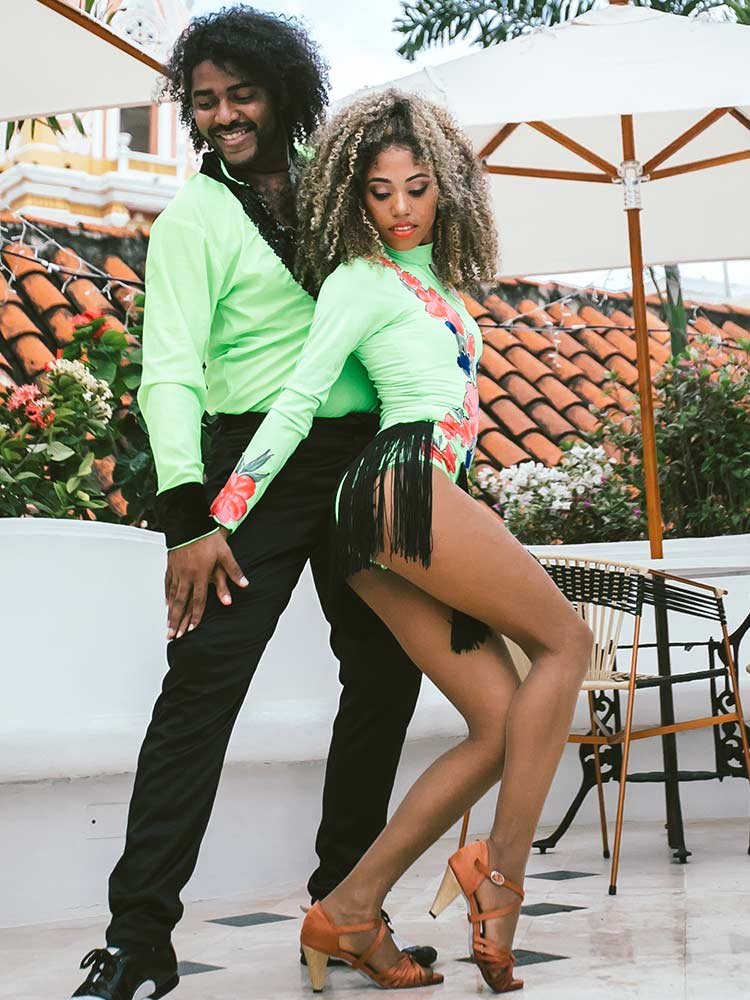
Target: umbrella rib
x,y
685,138
740,117
498,139
688,168
575,147
559,175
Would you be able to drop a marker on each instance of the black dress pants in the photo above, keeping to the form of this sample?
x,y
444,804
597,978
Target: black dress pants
x,y
209,672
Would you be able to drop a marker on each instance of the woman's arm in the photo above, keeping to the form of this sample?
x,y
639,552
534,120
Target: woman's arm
x,y
347,313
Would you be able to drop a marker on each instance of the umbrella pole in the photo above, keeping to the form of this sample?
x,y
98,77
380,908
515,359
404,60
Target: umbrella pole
x,y
645,389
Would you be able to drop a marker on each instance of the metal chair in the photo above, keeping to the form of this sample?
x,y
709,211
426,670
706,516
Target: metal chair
x,y
604,593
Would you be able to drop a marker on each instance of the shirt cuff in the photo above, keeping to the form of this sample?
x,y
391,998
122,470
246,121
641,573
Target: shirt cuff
x,y
183,515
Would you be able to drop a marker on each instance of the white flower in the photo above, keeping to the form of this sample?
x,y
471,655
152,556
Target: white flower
x,y
95,391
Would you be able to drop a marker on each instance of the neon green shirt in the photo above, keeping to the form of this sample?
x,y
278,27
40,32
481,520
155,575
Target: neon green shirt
x,y
224,326
418,344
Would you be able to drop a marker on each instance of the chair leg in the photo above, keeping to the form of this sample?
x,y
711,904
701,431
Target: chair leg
x,y
464,829
599,783
732,667
625,756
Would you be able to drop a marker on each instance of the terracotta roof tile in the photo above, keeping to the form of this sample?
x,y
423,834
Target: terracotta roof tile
x,y
526,363
599,346
582,418
125,295
489,389
502,311
564,369
474,308
534,314
498,338
43,294
559,395
565,344
553,424
486,422
500,450
532,340
21,260
86,295
511,418
572,367
627,372
33,354
542,449
590,367
494,364
522,391
733,331
15,323
592,394
624,343
705,327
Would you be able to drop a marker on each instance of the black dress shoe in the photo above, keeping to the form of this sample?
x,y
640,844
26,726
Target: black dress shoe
x,y
128,974
423,954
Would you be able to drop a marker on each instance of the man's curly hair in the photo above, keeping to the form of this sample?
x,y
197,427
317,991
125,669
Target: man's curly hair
x,y
334,227
274,51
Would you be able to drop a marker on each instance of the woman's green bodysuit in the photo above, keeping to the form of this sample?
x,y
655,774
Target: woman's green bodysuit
x,y
419,346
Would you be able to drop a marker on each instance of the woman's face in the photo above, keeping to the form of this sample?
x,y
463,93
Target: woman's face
x,y
401,198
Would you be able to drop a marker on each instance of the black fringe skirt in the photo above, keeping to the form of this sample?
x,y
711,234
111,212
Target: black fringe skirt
x,y
361,532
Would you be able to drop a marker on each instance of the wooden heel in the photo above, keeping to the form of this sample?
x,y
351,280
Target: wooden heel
x,y
448,891
316,967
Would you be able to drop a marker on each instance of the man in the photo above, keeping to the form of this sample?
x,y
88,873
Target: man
x,y
224,324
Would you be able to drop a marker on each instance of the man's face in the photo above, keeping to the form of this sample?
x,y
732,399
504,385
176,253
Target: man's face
x,y
234,115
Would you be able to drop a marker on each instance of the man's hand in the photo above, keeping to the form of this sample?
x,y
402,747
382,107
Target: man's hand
x,y
190,570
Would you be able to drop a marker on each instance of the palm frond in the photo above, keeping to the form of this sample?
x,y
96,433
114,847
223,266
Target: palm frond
x,y
427,23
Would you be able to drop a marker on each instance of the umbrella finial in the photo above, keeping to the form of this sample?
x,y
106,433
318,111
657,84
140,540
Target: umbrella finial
x,y
619,3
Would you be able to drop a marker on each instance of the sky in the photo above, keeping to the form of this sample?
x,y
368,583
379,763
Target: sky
x,y
359,42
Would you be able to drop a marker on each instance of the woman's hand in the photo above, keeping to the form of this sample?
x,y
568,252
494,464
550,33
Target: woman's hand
x,y
190,571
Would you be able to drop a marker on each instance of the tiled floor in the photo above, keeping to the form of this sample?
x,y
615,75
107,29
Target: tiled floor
x,y
672,933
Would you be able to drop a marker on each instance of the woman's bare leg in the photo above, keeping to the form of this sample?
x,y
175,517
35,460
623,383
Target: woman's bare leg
x,y
478,567
481,685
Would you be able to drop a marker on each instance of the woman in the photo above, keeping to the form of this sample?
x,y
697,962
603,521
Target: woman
x,y
394,217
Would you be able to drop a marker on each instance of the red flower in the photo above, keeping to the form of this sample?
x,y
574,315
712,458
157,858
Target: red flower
x,y
446,456
231,504
84,318
98,334
38,417
470,346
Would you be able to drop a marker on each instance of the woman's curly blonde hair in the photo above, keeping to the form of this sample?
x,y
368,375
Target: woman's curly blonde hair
x,y
333,226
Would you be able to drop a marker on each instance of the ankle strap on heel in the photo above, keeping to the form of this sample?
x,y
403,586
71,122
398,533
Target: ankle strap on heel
x,y
497,878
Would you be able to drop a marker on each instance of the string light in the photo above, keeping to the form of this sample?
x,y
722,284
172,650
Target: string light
x,y
85,269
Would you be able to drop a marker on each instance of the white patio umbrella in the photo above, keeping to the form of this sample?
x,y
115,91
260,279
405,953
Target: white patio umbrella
x,y
57,59
624,107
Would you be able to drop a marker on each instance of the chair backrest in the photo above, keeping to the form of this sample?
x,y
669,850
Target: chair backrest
x,y
603,593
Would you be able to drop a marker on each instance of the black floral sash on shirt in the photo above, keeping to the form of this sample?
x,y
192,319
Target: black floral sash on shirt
x,y
280,238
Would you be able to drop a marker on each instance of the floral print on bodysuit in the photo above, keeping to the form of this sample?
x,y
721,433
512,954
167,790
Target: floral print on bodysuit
x,y
457,432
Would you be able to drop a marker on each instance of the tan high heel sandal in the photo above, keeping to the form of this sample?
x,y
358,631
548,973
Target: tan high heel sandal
x,y
320,941
466,871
